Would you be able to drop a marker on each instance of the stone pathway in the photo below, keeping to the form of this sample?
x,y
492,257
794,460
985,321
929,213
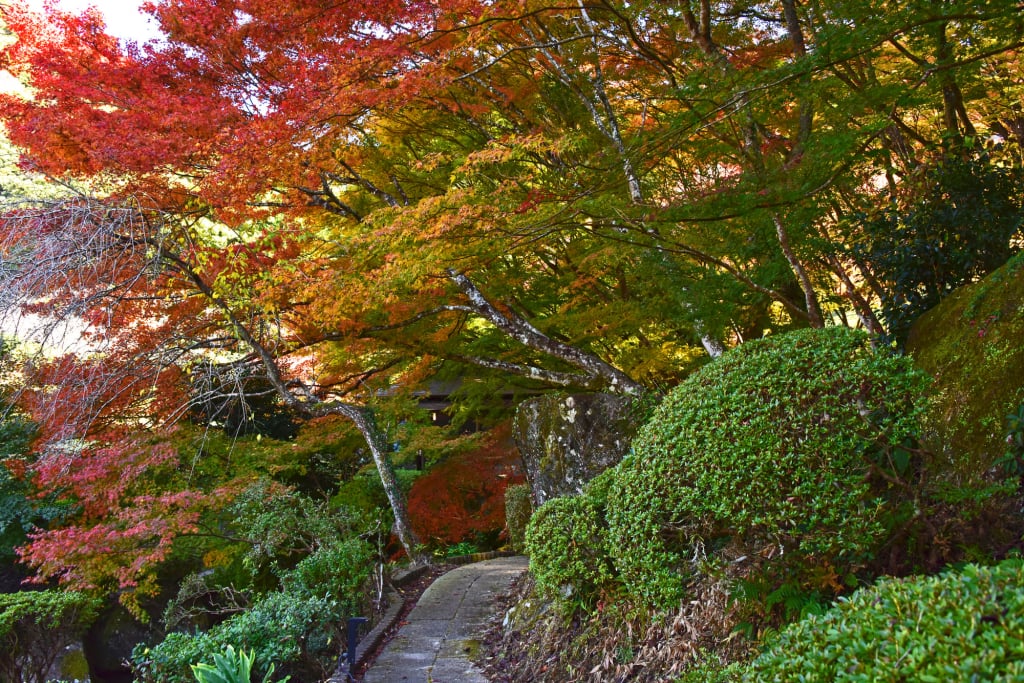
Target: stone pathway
x,y
441,634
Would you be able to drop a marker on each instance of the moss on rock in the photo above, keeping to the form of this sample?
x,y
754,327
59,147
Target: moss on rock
x,y
973,345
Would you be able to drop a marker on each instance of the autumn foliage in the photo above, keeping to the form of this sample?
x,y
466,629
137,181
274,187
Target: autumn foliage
x,y
463,498
295,209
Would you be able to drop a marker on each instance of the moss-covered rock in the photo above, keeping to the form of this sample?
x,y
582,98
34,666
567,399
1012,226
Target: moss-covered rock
x,y
566,441
973,345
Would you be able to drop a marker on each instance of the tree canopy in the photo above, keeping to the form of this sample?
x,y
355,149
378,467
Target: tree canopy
x,y
319,202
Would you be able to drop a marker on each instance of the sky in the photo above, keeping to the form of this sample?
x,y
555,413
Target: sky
x,y
125,21
123,17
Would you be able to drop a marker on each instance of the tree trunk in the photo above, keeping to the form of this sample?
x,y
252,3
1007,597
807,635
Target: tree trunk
x,y
814,316
311,405
363,421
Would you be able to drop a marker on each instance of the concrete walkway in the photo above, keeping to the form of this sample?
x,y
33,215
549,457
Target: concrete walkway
x,y
442,632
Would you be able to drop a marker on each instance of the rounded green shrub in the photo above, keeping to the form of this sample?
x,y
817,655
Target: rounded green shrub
x,y
769,451
568,548
338,572
518,508
598,488
297,635
959,626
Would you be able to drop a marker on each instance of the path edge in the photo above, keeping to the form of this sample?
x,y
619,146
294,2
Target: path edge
x,y
369,642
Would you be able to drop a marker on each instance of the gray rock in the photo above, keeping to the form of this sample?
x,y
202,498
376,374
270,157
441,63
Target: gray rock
x,y
566,441
109,642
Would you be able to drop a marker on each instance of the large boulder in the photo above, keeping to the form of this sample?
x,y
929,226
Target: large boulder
x,y
565,441
973,346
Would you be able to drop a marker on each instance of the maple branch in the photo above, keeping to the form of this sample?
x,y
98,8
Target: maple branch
x,y
518,48
332,203
665,245
562,379
529,336
356,380
814,316
312,406
420,316
357,179
645,49
610,127
614,133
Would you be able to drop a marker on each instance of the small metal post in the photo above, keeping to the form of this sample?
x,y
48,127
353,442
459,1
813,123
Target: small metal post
x,y
353,640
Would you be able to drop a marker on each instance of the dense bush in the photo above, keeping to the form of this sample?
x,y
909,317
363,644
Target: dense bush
x,y
599,488
518,508
365,494
297,629
22,510
283,525
35,628
338,572
567,542
295,634
960,226
959,626
769,452
462,498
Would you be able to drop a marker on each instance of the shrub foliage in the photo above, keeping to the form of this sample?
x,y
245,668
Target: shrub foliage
x,y
518,508
959,626
292,633
462,499
781,449
567,542
36,626
296,629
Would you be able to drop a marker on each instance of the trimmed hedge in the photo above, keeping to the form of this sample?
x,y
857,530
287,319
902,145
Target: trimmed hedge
x,y
770,450
959,626
567,542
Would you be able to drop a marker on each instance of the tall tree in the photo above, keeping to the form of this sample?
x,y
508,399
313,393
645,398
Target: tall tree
x,y
341,198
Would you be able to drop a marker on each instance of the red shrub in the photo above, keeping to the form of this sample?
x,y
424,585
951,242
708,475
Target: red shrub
x,y
463,498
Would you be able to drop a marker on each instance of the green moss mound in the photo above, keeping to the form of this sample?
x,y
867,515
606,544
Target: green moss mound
x,y
973,345
960,626
766,456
